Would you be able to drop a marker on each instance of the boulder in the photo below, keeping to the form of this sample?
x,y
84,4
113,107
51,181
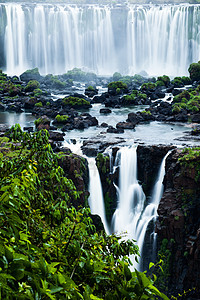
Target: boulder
x,y
125,125
105,111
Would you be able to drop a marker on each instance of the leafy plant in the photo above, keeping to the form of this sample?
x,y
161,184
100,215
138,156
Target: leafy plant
x,y
48,249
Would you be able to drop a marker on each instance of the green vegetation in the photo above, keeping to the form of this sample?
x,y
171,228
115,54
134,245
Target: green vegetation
x,y
50,250
32,85
149,86
146,112
79,75
164,79
191,160
7,86
117,85
54,81
133,97
189,100
102,163
194,70
41,120
76,102
37,92
62,119
34,71
38,104
163,272
90,88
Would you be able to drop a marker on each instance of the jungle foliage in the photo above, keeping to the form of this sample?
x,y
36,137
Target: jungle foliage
x,y
48,249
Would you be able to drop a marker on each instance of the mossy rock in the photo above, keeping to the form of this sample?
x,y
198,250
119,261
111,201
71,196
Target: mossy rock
x,y
61,119
194,70
75,102
165,79
32,74
44,120
149,86
32,85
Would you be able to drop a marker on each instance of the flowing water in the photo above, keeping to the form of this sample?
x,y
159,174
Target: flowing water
x,y
103,39
132,217
95,200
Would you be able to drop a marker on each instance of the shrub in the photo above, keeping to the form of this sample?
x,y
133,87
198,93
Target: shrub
x,y
62,119
76,102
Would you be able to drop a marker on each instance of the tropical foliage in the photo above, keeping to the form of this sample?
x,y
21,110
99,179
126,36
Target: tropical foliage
x,y
48,249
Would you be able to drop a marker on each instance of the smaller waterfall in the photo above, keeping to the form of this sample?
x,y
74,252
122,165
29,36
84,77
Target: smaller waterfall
x,y
130,194
131,215
96,200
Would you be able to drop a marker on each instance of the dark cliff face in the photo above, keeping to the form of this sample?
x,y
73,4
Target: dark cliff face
x,y
76,169
178,225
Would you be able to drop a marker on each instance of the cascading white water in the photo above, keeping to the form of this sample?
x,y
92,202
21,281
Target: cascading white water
x,y
163,37
95,200
131,215
58,37
130,194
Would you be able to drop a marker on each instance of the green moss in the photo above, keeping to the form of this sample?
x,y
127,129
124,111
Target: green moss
x,y
117,85
165,79
39,104
160,83
41,121
194,70
76,102
149,86
63,119
187,100
37,92
177,81
55,82
191,160
34,71
101,162
32,85
90,88
146,112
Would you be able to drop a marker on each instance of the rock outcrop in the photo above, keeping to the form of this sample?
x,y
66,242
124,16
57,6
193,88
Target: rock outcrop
x,y
179,223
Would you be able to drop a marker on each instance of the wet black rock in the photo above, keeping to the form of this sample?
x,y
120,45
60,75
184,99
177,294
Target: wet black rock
x,y
125,125
111,129
105,111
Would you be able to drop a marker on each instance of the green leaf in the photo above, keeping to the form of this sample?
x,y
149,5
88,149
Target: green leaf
x,y
151,265
127,272
95,297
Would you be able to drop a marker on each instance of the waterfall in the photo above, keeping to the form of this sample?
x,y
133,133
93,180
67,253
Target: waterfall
x,y
163,36
96,199
131,216
159,39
